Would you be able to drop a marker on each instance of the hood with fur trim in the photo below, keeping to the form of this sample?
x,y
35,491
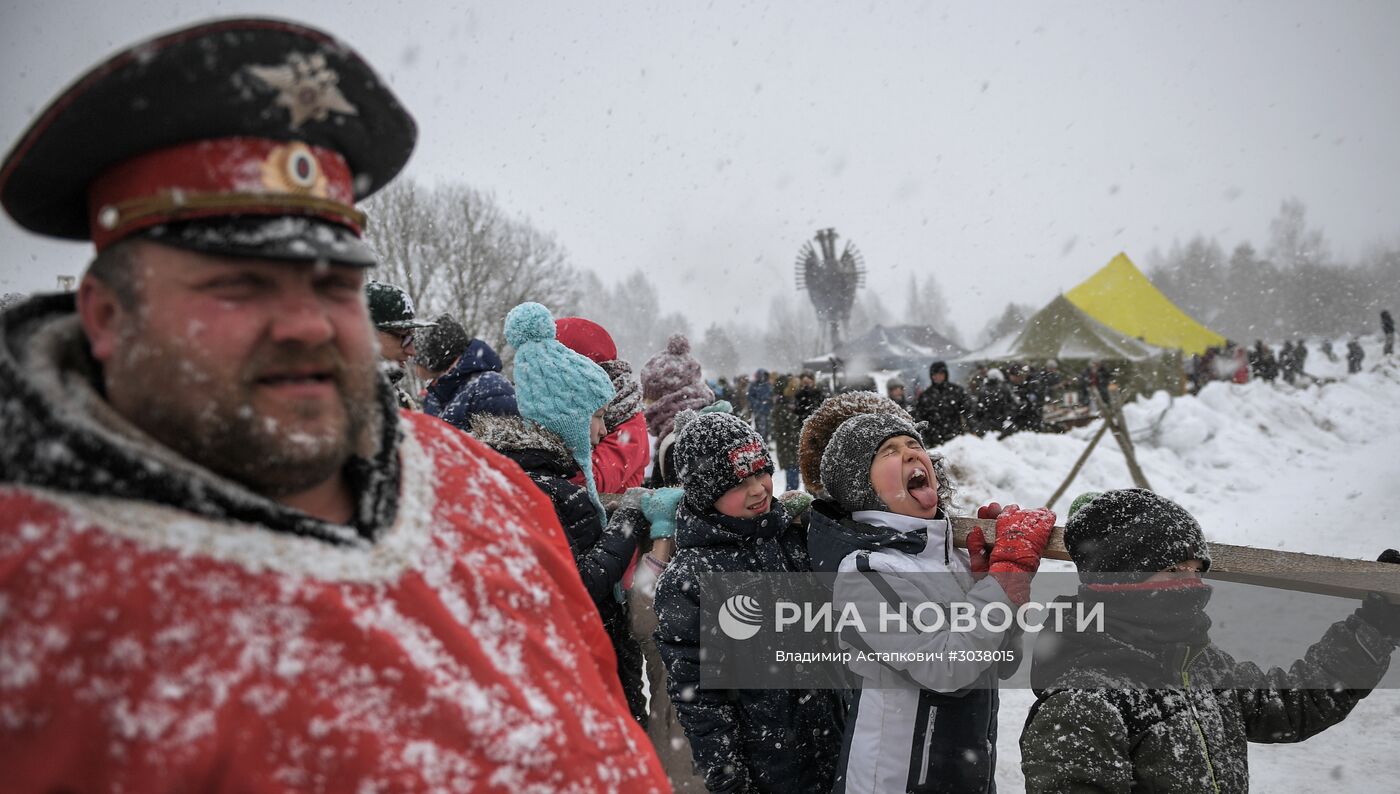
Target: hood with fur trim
x,y
831,414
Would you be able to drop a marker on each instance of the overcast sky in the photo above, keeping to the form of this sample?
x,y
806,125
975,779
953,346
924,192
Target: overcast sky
x,y
1009,148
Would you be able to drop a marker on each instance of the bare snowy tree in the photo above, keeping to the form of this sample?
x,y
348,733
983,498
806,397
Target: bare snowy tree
x,y
718,353
1291,242
455,250
631,311
1012,318
792,334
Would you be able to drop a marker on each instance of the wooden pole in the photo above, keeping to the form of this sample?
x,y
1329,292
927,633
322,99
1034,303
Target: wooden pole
x,y
1114,416
1285,570
1078,464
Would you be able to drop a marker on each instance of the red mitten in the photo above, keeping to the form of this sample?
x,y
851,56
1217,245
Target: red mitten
x,y
978,552
1021,538
991,510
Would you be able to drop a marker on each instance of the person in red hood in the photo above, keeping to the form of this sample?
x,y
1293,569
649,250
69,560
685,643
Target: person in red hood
x,y
620,459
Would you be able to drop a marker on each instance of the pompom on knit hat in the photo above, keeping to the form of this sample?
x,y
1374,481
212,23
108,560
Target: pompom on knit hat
x,y
831,414
714,452
555,387
848,455
1133,531
670,370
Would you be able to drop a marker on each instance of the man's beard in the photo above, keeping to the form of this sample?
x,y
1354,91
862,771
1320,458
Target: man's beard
x,y
210,418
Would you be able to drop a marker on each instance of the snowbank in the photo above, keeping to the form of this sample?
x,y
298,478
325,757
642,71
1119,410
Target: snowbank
x,y
1258,465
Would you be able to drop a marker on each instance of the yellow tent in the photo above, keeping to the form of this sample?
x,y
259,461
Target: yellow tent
x,y
1122,298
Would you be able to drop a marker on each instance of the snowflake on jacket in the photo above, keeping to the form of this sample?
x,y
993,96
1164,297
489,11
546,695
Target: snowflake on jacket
x,y
1151,704
473,385
601,550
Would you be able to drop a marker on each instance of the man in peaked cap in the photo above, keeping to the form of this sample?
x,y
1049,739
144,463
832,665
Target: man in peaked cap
x,y
223,550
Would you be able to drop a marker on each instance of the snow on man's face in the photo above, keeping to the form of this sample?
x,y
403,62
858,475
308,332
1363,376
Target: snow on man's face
x,y
903,477
750,498
262,371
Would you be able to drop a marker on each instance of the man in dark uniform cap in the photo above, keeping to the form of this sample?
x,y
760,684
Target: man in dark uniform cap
x,y
226,560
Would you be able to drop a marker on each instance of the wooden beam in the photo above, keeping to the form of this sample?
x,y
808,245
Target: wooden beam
x,y
1078,464
1285,570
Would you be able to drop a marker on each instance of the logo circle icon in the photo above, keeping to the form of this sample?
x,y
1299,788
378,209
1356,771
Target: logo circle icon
x,y
740,617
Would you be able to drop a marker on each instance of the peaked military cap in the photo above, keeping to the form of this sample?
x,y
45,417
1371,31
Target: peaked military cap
x,y
242,137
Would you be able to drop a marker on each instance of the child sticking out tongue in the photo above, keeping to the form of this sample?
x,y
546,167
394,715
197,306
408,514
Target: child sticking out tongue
x,y
901,474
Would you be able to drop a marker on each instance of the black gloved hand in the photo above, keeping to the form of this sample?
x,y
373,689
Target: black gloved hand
x,y
1377,610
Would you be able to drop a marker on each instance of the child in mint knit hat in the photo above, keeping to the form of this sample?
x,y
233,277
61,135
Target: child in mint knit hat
x,y
557,388
561,396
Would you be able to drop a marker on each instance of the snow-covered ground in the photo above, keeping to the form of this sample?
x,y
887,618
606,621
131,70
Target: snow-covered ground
x,y
1258,465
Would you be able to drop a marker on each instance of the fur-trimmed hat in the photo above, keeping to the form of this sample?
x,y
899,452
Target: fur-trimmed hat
x,y
556,387
817,430
848,455
715,452
1133,530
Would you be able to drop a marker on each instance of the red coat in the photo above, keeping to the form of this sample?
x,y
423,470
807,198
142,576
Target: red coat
x,y
620,459
145,649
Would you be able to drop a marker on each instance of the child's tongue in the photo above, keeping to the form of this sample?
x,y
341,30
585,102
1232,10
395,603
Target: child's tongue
x,y
925,496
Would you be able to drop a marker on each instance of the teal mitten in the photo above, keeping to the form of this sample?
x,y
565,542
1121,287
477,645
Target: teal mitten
x,y
660,507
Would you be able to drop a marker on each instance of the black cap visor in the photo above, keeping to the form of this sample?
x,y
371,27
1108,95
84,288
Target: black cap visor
x,y
282,237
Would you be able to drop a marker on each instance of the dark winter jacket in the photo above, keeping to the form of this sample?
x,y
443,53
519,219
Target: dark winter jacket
x,y
787,432
806,401
1151,705
760,397
1028,413
1262,362
753,740
945,407
1355,355
915,726
995,406
1387,323
472,385
602,552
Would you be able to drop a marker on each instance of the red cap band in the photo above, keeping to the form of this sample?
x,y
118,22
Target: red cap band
x,y
221,177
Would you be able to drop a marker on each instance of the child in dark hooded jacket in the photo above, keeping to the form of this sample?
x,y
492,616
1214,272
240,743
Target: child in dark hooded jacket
x,y
760,740
1149,703
464,375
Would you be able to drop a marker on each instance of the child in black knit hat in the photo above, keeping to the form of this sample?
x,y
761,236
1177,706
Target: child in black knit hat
x,y
1149,703
728,522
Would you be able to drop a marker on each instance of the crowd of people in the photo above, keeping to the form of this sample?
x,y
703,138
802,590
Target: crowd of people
x,y
997,400
1237,364
239,552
